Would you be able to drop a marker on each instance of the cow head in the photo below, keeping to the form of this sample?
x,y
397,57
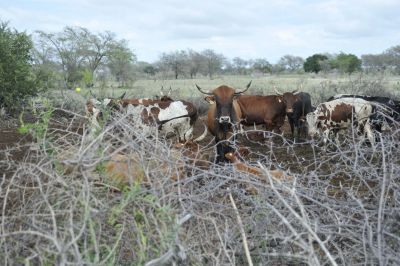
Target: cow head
x,y
223,97
165,97
94,107
289,98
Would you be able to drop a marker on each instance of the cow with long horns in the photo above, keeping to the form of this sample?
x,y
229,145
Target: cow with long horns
x,y
224,116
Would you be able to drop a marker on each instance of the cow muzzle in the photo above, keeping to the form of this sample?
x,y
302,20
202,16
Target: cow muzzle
x,y
224,120
289,110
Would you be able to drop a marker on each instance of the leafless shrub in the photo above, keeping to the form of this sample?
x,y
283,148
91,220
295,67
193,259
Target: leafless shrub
x,y
59,205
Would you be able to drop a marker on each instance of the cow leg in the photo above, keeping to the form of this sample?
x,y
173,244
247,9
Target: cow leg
x,y
300,126
369,132
325,136
220,155
188,134
279,123
337,140
292,126
222,148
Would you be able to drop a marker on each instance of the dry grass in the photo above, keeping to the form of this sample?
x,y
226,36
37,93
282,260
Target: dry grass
x,y
121,199
61,205
320,86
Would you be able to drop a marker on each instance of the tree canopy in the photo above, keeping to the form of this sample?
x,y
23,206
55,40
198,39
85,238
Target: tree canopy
x,y
312,63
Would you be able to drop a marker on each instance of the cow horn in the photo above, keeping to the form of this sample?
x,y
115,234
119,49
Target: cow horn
x,y
162,91
169,92
247,87
277,92
208,93
202,136
122,96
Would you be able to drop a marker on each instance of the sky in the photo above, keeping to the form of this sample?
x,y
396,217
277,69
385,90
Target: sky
x,y
236,28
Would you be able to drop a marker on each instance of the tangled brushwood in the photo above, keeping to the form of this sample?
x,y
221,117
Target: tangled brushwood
x,y
119,197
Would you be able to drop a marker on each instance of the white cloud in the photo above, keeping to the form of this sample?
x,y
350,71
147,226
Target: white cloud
x,y
242,28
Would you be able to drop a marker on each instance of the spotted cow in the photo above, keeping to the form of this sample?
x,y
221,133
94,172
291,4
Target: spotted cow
x,y
172,118
341,114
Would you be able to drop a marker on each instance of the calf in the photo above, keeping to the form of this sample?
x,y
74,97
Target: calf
x,y
297,119
243,167
298,105
339,115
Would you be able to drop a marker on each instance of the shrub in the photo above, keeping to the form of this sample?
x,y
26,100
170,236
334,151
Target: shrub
x,y
312,63
17,80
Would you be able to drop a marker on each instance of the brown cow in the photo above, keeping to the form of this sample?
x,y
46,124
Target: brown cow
x,y
289,98
243,167
224,115
267,110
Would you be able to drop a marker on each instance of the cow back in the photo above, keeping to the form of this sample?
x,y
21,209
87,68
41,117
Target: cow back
x,y
256,109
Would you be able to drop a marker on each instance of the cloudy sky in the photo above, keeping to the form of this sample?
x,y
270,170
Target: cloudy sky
x,y
245,28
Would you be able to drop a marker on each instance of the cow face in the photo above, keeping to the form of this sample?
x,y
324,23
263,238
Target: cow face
x,y
223,98
93,106
289,98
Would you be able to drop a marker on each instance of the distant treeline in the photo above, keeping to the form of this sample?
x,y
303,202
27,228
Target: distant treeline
x,y
76,56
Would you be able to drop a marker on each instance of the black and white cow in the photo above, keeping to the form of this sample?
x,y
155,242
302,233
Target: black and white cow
x,y
170,117
387,110
341,114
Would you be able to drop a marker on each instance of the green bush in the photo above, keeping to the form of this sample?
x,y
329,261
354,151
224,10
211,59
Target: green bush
x,y
312,63
17,80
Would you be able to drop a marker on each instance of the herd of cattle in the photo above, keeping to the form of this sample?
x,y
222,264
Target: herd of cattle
x,y
230,110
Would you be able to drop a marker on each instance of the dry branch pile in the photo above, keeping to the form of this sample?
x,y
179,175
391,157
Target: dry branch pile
x,y
121,198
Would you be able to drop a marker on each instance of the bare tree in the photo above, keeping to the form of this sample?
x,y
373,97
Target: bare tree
x,y
120,61
262,65
214,61
240,65
68,48
175,61
97,48
372,62
78,51
291,63
393,55
196,62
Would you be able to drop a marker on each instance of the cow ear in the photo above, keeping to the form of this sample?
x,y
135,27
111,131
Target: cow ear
x,y
210,99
